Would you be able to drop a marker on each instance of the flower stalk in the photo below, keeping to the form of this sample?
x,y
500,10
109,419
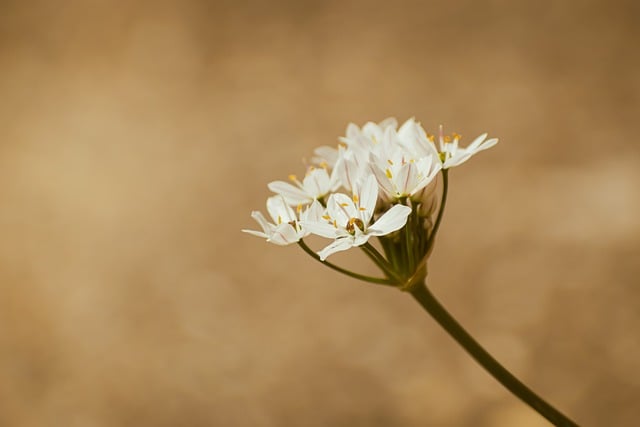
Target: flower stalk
x,y
426,299
381,182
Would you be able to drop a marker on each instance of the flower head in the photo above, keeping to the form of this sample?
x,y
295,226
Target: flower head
x,y
452,154
316,184
286,227
347,219
380,181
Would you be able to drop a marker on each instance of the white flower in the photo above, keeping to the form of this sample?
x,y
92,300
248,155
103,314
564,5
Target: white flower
x,y
403,166
347,219
286,228
453,155
316,184
325,156
413,137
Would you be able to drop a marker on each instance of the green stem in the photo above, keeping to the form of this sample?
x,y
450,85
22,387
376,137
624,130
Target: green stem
x,y
381,262
499,372
362,277
443,202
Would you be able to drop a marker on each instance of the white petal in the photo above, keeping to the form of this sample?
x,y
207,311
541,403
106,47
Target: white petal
x,y
405,179
360,238
260,219
476,142
317,183
347,172
256,233
406,131
388,122
279,210
292,194
383,179
338,245
367,199
392,220
322,229
488,144
352,131
429,170
314,212
284,235
341,208
326,154
457,159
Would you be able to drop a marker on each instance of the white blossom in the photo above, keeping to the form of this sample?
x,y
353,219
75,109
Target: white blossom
x,y
286,227
347,219
454,155
316,184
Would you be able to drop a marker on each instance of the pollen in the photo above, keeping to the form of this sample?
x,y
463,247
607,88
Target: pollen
x,y
431,137
390,162
279,220
355,198
353,223
327,217
447,138
362,209
293,178
456,136
324,165
344,205
299,208
335,223
388,173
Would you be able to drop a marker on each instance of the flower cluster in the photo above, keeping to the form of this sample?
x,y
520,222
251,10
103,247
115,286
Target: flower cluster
x,y
379,181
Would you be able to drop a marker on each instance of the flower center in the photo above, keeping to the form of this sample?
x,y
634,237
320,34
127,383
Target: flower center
x,y
353,223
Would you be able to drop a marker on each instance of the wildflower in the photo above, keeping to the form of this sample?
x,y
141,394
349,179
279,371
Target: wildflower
x,y
347,219
286,228
452,154
316,185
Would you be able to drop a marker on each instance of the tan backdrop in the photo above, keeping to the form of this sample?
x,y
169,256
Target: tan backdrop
x,y
136,139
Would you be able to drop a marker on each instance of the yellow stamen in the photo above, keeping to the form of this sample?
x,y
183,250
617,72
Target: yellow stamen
x,y
388,173
390,162
324,165
362,209
293,178
431,137
299,208
355,198
335,223
344,205
327,217
279,220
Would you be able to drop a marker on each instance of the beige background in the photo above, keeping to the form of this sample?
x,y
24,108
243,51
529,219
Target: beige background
x,y
136,139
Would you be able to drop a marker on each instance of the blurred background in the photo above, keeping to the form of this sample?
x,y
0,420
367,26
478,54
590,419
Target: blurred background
x,y
136,137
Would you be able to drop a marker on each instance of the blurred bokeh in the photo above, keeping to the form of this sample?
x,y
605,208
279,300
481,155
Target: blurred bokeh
x,y
135,139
